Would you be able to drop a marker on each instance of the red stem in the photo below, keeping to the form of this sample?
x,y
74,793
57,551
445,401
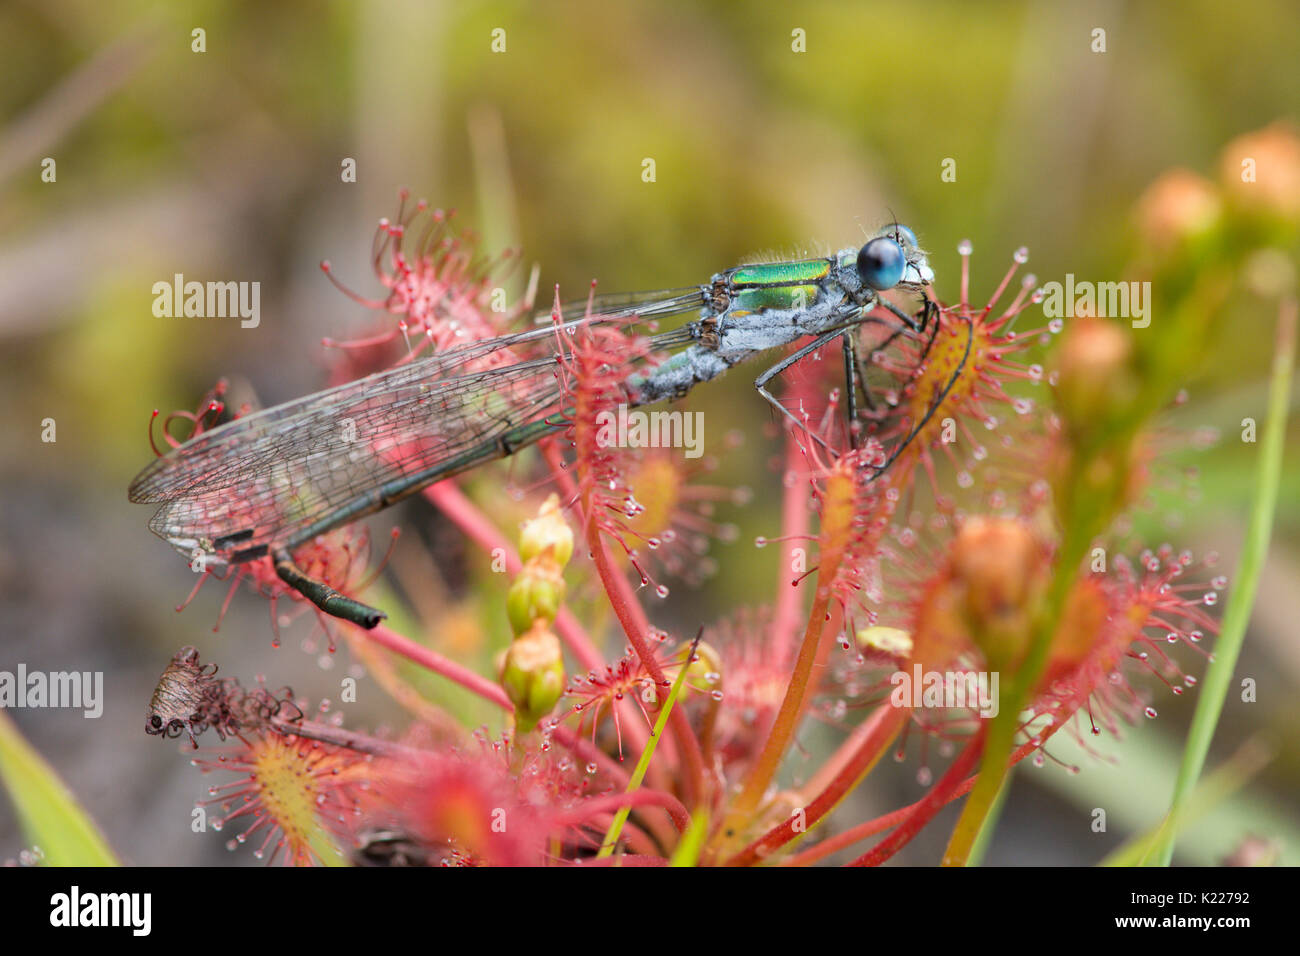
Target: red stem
x,y
871,827
637,798
432,660
787,721
873,736
925,809
631,615
794,525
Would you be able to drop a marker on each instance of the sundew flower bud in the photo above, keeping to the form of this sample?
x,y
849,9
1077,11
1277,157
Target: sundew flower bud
x,y
547,534
705,668
532,674
1260,172
1096,381
1178,209
1001,570
535,595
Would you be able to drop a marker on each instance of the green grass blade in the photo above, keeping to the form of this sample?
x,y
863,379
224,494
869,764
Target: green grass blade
x,y
616,826
1214,690
1210,793
49,814
692,841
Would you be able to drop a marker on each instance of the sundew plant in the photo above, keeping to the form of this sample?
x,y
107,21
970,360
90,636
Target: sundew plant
x,y
958,573
821,556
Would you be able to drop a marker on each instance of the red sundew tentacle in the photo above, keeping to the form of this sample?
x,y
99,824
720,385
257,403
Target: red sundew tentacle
x,y
246,782
166,427
373,576
152,444
261,850
203,576
374,341
323,620
326,268
225,605
1018,305
591,753
434,227
275,621
1002,287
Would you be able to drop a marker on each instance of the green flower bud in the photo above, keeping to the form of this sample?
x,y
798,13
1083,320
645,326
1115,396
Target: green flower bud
x,y
535,595
533,675
1097,381
704,673
548,532
1000,573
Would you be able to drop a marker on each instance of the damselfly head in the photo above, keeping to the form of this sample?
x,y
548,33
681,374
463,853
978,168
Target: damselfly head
x,y
892,257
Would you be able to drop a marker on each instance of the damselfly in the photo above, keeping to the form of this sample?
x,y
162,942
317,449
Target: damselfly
x,y
264,484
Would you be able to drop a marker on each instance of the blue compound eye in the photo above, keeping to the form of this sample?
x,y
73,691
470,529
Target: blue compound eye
x,y
881,263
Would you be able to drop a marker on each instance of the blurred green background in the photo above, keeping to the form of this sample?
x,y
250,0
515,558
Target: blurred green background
x,y
226,165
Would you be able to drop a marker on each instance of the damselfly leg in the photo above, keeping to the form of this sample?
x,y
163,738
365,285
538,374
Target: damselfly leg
x,y
855,376
760,383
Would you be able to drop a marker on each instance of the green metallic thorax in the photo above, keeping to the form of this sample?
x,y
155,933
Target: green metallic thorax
x,y
777,285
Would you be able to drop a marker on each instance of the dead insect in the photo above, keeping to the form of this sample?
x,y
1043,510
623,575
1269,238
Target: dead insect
x,y
189,698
